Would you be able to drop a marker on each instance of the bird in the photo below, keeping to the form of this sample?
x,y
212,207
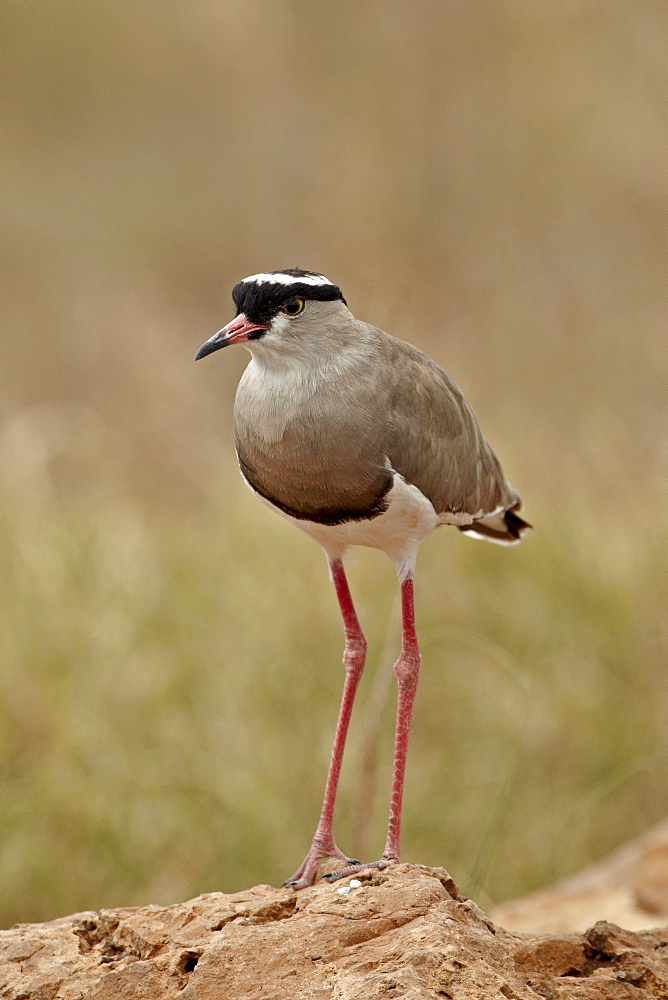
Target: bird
x,y
357,438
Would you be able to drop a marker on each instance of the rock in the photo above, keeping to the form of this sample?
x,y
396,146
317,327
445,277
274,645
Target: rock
x,y
404,932
629,887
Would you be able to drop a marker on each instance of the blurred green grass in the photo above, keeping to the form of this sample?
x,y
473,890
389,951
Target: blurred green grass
x,y
484,181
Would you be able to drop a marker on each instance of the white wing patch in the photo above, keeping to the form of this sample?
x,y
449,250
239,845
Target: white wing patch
x,y
488,538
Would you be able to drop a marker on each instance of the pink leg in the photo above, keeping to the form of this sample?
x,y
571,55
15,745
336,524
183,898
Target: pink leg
x,y
407,671
324,845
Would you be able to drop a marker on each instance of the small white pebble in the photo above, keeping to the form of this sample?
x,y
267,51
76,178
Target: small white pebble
x,y
344,890
355,883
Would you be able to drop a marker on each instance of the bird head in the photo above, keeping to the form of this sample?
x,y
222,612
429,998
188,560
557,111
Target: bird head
x,y
276,306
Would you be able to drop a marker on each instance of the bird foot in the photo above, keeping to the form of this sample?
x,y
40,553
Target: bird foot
x,y
357,866
308,871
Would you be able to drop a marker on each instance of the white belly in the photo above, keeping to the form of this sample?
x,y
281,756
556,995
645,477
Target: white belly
x,y
399,531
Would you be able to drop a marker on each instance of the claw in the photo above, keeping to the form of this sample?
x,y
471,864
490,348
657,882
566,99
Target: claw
x,y
352,863
358,866
307,873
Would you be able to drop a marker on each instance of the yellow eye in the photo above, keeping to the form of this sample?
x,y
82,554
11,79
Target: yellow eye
x,y
293,307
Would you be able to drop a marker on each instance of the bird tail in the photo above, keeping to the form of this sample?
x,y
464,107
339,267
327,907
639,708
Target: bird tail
x,y
504,528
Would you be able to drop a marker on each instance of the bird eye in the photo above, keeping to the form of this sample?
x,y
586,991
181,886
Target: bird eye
x,y
293,307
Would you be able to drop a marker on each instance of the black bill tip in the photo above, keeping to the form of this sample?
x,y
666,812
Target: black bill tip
x,y
209,347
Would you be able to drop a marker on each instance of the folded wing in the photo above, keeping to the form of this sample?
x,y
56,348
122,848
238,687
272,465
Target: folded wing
x,y
438,446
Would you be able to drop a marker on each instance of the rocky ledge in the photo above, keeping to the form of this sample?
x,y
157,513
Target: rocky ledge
x,y
404,932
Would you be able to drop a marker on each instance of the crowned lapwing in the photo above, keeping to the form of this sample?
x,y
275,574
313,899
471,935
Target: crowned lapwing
x,y
357,438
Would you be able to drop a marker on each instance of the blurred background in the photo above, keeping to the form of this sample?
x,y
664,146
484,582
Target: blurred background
x,y
484,180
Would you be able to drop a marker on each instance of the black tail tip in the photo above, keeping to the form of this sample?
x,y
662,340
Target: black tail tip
x,y
516,525
505,529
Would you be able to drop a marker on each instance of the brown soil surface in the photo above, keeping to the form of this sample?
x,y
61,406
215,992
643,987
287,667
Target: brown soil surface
x,y
404,932
628,887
